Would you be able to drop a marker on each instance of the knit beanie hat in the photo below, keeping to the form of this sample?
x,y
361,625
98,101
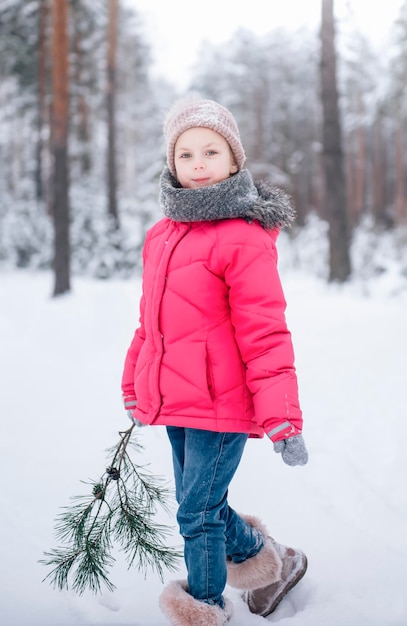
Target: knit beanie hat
x,y
195,112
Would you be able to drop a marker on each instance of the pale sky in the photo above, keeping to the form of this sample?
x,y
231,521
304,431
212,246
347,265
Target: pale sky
x,y
175,29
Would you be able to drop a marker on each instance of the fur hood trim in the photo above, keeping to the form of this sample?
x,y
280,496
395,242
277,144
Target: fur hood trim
x,y
234,197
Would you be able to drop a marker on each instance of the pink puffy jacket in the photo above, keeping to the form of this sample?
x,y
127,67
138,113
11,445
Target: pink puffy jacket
x,y
212,350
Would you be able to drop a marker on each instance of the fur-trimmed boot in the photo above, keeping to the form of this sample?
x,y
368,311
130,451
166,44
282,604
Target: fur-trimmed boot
x,y
267,577
183,610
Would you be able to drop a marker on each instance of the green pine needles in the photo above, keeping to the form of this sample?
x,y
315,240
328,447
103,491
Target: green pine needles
x,y
119,512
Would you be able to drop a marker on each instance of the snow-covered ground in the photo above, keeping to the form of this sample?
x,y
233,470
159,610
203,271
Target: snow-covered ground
x,y
60,408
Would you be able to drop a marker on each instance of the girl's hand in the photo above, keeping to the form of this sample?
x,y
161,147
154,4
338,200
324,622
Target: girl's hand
x,y
293,450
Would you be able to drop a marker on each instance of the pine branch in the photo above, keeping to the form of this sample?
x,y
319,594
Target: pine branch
x,y
120,512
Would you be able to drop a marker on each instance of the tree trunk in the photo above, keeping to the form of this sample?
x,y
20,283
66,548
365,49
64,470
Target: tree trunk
x,y
360,174
82,109
42,74
350,169
111,112
333,161
60,117
400,191
380,215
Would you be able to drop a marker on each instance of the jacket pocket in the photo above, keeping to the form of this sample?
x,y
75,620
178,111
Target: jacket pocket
x,y
209,376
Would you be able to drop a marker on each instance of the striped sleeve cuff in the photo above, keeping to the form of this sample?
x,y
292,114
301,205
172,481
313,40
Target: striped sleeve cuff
x,y
130,403
283,431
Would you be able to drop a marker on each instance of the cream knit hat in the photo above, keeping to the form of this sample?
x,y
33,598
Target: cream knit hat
x,y
195,112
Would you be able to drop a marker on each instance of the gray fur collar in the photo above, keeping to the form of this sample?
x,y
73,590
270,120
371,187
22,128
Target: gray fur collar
x,y
237,196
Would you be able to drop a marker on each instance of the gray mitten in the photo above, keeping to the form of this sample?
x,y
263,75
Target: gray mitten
x,y
292,450
134,420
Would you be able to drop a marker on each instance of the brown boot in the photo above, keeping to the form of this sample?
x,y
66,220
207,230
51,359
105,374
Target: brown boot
x,y
183,610
267,577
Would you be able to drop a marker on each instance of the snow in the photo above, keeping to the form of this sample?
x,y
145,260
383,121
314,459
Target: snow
x,y
60,404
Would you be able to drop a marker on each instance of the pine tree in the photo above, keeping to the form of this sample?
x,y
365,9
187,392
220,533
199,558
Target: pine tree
x,y
59,134
333,160
119,512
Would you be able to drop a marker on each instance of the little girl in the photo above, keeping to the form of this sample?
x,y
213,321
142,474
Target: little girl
x,y
212,360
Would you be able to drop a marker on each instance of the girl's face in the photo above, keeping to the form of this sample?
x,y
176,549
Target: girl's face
x,y
202,158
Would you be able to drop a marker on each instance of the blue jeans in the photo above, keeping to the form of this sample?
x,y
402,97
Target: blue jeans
x,y
204,464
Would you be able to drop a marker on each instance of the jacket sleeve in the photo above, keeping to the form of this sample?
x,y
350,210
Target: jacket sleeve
x,y
257,305
129,396
128,393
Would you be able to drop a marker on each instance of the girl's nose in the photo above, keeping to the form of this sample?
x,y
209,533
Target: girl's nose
x,y
199,164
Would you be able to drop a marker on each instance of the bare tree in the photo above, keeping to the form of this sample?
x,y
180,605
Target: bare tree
x,y
79,77
400,169
41,95
111,110
356,162
380,158
59,133
333,160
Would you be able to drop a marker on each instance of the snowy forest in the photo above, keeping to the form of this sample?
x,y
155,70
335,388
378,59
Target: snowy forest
x,y
322,113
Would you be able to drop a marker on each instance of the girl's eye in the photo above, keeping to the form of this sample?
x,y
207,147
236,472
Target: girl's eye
x,y
185,155
211,152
